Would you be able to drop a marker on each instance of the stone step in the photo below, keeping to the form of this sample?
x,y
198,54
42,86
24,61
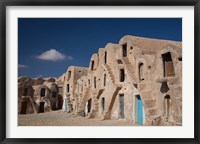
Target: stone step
x,y
111,75
146,94
130,64
154,116
126,61
178,98
130,69
152,111
96,105
150,103
131,72
144,86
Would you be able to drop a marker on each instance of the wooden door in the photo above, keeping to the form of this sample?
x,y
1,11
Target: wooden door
x,y
121,105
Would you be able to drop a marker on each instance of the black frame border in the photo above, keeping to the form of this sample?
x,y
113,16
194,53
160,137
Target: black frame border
x,y
4,3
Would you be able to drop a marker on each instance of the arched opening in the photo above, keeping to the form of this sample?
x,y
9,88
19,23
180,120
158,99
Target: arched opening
x,y
94,82
41,108
60,102
168,67
122,75
42,92
54,106
104,80
105,57
23,107
121,106
60,90
92,65
119,61
167,107
25,92
89,106
138,110
54,94
69,74
124,50
141,71
67,87
103,104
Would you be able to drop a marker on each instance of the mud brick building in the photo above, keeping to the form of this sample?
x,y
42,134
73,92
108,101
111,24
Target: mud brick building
x,y
139,79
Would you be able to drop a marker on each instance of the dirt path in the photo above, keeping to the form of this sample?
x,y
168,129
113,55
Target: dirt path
x,y
59,118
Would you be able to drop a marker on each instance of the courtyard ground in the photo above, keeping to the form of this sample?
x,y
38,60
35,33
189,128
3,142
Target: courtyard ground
x,y
59,118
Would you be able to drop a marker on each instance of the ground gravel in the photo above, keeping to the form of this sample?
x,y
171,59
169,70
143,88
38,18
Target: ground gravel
x,y
60,118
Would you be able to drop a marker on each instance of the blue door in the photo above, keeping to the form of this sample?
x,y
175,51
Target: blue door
x,y
122,116
140,110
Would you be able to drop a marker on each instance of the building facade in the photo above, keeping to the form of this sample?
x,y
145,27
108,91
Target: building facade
x,y
38,95
139,79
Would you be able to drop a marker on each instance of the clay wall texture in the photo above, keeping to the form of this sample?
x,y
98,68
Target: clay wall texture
x,y
139,79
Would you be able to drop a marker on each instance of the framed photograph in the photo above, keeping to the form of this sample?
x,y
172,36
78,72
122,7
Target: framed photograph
x,y
99,71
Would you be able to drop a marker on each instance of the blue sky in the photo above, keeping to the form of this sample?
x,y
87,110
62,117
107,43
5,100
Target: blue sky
x,y
48,46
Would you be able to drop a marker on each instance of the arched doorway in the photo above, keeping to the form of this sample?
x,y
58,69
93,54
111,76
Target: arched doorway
x,y
41,108
124,50
141,71
89,106
167,107
103,104
60,102
121,106
23,108
54,107
139,110
25,93
42,92
168,66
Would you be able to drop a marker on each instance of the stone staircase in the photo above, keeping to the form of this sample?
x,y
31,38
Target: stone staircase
x,y
95,109
149,101
85,98
130,69
109,70
33,104
107,113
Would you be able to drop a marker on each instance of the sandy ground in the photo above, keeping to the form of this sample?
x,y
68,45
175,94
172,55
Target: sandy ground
x,y
59,118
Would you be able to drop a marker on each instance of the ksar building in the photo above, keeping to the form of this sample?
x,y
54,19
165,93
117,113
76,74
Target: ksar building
x,y
139,79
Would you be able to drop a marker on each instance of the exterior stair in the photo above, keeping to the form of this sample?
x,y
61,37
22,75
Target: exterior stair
x,y
110,73
144,86
85,98
146,94
130,69
149,101
107,113
96,103
95,109
33,104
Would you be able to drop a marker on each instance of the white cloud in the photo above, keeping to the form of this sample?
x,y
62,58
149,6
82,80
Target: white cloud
x,y
22,66
53,55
